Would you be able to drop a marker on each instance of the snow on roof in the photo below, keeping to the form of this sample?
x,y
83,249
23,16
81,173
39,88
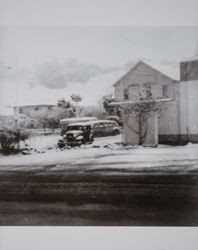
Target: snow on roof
x,y
166,70
79,124
91,122
113,104
190,59
77,119
36,105
133,66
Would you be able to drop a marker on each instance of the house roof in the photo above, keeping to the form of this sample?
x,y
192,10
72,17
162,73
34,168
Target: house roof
x,y
140,62
77,120
36,105
123,103
190,59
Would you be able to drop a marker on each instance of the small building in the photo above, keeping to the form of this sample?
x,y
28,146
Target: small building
x,y
189,100
29,109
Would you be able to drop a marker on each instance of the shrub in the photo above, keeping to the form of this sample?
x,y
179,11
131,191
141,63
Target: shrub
x,y
11,133
10,138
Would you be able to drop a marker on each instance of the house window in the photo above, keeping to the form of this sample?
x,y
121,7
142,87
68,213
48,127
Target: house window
x,y
134,92
36,109
126,94
20,110
148,91
165,91
49,108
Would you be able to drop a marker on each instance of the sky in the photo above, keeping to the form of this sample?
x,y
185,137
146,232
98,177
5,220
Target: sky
x,y
98,12
101,45
39,64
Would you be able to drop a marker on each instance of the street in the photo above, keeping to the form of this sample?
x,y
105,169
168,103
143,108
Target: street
x,y
94,199
101,186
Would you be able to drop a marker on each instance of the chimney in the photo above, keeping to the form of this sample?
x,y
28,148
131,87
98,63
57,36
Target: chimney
x,y
189,70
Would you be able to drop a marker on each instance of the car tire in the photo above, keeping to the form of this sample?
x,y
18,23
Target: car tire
x,y
116,132
92,140
83,141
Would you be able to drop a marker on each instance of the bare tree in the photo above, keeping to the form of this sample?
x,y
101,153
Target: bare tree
x,y
107,99
76,98
141,110
42,118
51,118
62,103
98,112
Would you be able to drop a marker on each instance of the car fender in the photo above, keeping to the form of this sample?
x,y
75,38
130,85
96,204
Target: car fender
x,y
116,128
116,131
80,137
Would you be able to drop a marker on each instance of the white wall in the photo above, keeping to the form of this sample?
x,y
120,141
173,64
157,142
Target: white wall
x,y
131,125
189,107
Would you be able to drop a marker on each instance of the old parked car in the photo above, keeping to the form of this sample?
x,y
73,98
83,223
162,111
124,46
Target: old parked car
x,y
76,135
65,122
116,119
104,128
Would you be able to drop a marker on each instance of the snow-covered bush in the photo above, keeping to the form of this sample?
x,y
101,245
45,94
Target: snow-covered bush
x,y
11,134
50,119
98,112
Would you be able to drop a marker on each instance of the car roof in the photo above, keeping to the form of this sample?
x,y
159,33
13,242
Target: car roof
x,y
79,124
98,121
113,116
91,123
77,120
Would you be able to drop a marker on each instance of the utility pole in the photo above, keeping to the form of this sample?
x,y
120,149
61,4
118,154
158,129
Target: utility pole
x,y
3,69
17,86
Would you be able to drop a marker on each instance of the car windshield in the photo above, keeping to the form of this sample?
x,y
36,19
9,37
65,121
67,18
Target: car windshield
x,y
77,127
74,128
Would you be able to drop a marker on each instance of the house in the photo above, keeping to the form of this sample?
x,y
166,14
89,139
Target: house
x,y
29,109
178,123
142,80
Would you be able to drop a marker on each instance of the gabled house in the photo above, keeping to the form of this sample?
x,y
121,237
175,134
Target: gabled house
x,y
143,80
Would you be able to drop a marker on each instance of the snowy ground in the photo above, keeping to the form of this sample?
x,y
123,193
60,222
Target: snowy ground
x,y
105,153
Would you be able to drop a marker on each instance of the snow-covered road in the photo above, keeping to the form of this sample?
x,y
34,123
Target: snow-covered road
x,y
105,153
101,185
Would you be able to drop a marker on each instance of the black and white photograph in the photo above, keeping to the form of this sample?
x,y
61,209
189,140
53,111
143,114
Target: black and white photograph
x,y
98,125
